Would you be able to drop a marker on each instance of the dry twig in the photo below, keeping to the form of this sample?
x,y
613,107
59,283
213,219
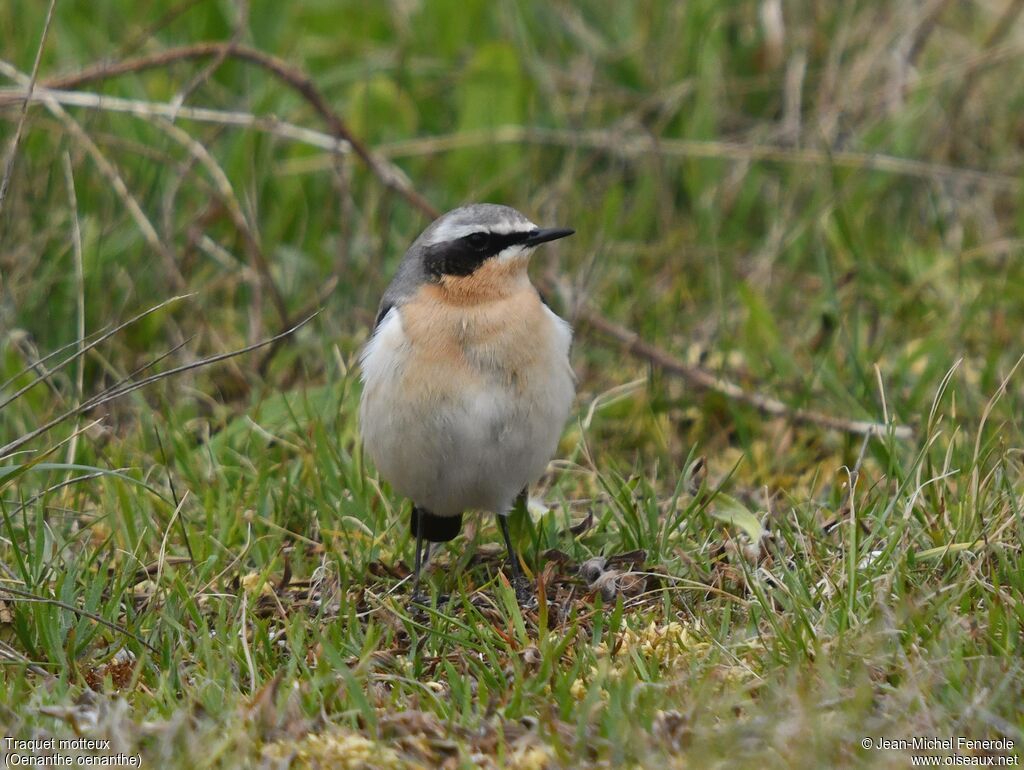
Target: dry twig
x,y
16,594
226,193
82,350
635,144
113,176
267,124
125,388
390,175
705,380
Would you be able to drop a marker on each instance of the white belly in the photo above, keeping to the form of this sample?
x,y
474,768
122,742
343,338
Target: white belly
x,y
449,435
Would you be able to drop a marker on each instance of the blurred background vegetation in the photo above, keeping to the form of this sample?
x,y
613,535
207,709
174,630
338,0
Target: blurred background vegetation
x,y
807,271
820,201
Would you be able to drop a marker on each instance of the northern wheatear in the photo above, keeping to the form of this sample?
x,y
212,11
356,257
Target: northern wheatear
x,y
466,378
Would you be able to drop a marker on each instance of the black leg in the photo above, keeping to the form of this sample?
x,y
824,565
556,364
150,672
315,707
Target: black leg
x,y
513,557
418,560
429,529
427,546
523,594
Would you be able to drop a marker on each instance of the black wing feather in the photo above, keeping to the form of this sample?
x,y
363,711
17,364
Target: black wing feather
x,y
385,308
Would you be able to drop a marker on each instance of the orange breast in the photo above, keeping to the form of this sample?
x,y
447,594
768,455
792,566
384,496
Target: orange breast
x,y
456,342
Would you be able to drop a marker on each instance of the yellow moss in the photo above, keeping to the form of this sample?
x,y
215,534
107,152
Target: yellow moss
x,y
732,675
335,749
578,690
250,581
531,758
669,644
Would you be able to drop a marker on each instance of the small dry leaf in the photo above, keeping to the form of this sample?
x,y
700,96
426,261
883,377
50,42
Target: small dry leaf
x,y
580,527
632,584
673,728
397,571
592,569
531,658
628,560
607,584
559,558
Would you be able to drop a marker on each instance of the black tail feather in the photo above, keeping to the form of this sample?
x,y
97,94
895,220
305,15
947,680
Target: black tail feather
x,y
436,529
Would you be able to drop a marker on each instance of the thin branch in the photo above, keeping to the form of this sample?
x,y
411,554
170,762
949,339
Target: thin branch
x,y
109,170
637,144
632,145
131,387
267,124
13,151
14,592
705,380
390,175
316,304
608,141
37,364
143,367
84,349
8,653
227,195
144,36
218,60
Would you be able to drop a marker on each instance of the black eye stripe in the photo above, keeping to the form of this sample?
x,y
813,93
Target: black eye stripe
x,y
494,243
464,255
479,241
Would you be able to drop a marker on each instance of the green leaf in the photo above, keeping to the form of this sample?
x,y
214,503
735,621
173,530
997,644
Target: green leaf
x,y
937,553
729,510
9,473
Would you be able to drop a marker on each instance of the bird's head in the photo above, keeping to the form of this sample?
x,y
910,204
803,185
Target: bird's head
x,y
477,252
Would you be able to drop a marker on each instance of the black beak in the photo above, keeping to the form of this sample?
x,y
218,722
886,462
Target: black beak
x,y
538,237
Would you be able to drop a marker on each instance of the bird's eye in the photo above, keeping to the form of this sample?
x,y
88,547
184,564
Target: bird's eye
x,y
478,241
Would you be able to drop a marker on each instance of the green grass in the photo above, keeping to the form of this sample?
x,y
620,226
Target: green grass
x,y
211,576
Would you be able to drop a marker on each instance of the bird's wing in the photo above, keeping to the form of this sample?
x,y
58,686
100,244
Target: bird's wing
x,y
385,308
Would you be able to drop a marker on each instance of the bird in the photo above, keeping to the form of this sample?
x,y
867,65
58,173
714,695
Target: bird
x,y
466,377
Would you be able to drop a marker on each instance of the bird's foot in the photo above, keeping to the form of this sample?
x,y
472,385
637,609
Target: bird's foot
x,y
525,596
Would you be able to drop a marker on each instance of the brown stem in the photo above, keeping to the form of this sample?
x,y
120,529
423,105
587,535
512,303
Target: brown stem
x,y
389,175
705,380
